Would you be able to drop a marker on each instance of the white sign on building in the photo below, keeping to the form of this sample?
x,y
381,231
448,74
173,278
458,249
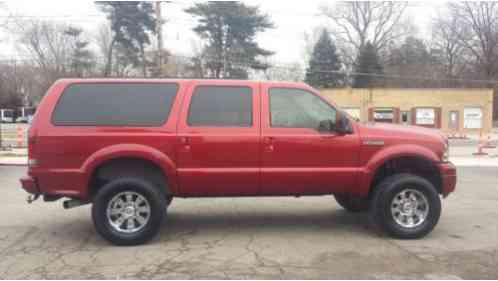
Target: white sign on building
x,y
383,115
472,117
425,116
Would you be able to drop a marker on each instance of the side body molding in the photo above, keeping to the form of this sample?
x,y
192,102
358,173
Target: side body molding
x,y
132,151
389,153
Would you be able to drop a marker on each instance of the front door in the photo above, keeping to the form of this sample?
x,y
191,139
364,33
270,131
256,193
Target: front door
x,y
454,122
296,157
219,139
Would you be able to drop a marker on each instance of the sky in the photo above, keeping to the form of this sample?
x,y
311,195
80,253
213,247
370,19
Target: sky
x,y
292,20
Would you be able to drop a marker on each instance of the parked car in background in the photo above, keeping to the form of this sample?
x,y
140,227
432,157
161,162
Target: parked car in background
x,y
25,114
6,115
130,146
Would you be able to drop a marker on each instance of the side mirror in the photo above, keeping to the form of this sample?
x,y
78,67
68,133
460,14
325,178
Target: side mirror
x,y
343,125
326,126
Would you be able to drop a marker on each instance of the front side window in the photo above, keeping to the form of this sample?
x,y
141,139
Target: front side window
x,y
221,106
296,108
115,104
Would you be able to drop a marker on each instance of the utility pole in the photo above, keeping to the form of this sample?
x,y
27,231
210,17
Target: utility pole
x,y
159,32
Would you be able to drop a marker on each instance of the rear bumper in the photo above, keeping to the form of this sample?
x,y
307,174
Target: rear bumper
x,y
448,177
29,184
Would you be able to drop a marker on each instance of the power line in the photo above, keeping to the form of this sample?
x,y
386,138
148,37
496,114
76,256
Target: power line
x,y
245,63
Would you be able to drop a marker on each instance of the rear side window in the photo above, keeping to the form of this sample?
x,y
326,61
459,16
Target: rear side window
x,y
221,107
123,104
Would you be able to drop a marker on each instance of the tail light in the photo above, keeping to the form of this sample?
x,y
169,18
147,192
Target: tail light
x,y
32,161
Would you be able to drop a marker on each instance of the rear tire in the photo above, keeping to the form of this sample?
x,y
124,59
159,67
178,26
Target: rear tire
x,y
352,204
128,211
405,206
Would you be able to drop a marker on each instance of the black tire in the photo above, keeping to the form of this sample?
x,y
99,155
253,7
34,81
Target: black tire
x,y
352,204
380,207
169,199
154,197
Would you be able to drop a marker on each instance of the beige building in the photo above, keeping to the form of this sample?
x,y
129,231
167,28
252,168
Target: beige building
x,y
455,111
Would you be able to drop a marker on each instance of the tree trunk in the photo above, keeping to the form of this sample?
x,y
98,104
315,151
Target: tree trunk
x,y
108,66
144,62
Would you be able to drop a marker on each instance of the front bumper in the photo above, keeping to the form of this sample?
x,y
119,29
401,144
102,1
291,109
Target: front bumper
x,y
448,177
29,184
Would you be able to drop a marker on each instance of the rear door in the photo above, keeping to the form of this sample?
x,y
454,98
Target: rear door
x,y
219,139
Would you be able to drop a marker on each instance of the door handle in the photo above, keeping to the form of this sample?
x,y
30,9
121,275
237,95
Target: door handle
x,y
268,144
185,141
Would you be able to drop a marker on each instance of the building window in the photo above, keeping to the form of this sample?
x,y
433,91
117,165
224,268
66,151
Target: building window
x,y
383,115
472,117
425,116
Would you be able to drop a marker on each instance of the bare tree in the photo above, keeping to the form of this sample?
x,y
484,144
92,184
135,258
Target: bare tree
x,y
292,72
104,41
356,23
41,42
476,27
3,21
58,49
446,46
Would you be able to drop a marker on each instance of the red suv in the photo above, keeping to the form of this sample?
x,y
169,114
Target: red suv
x,y
130,146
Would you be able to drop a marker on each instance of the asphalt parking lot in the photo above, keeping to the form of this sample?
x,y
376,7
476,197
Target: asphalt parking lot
x,y
272,238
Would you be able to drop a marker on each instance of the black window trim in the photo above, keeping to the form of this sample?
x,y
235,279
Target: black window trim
x,y
293,88
193,92
69,85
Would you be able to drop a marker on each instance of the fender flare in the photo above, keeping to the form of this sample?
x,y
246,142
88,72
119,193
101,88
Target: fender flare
x,y
130,151
390,153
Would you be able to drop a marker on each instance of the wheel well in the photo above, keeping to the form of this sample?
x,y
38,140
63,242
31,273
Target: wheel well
x,y
127,167
414,165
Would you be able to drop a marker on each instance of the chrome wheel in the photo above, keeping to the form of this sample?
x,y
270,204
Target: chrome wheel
x,y
128,212
409,208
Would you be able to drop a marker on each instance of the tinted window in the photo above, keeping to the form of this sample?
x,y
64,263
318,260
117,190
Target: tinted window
x,y
123,104
221,106
295,108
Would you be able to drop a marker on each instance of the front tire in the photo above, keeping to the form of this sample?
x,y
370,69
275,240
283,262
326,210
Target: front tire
x,y
406,206
128,211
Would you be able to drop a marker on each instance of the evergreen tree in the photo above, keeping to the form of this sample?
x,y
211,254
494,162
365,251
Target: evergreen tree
x,y
367,63
324,64
230,28
81,58
131,24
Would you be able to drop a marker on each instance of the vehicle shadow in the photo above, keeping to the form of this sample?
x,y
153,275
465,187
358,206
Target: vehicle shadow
x,y
179,222
194,223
